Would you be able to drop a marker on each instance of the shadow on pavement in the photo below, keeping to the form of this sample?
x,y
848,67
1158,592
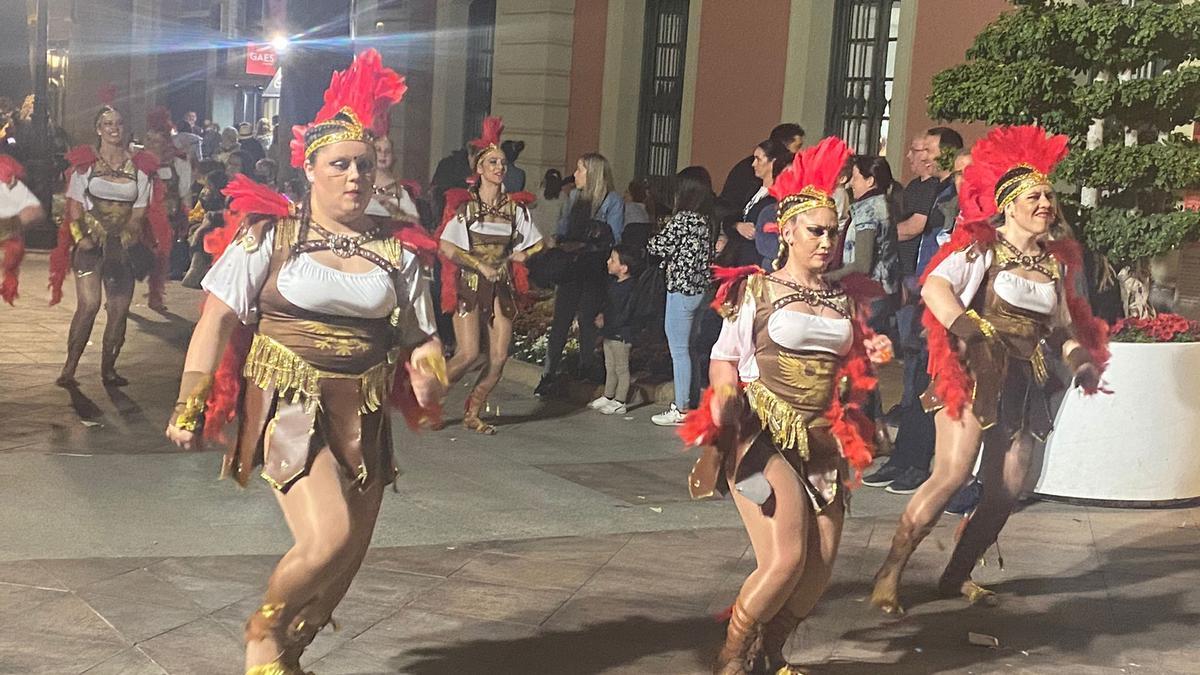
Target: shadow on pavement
x,y
594,648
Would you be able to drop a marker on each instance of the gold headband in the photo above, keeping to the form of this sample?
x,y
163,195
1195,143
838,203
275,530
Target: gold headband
x,y
342,127
807,199
1012,188
484,151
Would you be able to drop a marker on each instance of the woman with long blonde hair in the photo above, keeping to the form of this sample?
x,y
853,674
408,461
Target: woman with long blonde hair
x,y
592,222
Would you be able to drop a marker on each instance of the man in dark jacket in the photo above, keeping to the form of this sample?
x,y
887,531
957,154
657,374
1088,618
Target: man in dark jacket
x,y
741,183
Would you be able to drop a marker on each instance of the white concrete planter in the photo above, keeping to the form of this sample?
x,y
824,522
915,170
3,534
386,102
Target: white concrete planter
x,y
1139,444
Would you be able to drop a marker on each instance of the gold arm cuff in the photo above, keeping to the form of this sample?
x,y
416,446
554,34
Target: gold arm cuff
x,y
985,326
194,388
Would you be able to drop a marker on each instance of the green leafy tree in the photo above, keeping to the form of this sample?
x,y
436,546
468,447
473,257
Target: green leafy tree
x,y
1117,77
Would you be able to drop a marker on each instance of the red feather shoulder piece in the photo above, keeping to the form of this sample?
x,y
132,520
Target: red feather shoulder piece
x,y
146,162
10,170
247,196
727,279
417,240
81,157
523,198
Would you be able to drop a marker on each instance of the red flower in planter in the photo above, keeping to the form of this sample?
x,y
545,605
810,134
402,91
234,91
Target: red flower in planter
x,y
1162,328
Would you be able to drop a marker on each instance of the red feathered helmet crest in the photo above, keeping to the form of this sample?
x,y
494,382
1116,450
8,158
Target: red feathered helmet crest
x,y
356,107
808,182
1004,164
159,119
488,140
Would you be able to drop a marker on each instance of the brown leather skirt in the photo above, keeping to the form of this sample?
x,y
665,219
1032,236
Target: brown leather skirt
x,y
284,436
476,293
820,475
1017,402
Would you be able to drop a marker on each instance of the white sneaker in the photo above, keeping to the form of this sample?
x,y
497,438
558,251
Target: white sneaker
x,y
600,403
671,418
614,407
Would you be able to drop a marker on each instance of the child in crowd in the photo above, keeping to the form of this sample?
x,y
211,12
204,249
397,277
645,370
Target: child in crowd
x,y
616,326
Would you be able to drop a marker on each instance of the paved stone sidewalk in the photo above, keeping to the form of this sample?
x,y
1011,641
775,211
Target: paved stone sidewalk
x,y
566,544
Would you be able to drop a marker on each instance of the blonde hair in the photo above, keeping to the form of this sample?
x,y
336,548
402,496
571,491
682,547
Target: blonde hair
x,y
599,180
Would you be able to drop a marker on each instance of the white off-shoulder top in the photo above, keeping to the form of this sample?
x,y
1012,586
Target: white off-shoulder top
x,y
238,276
790,329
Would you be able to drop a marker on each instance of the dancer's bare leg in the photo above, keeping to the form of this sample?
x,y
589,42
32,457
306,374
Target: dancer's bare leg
x,y
824,536
499,339
322,511
88,296
954,457
118,292
780,544
466,338
1003,471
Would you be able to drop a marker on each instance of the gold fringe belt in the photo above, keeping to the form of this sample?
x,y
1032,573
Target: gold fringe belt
x,y
270,363
787,424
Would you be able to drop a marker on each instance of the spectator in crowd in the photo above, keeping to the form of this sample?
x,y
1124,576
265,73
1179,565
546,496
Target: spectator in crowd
x,y
641,212
249,144
908,466
266,171
228,144
869,247
686,246
592,221
210,142
547,210
742,181
208,216
264,133
188,141
769,158
514,180
190,118
235,163
616,325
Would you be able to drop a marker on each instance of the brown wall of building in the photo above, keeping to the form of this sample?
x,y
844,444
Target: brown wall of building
x,y
945,30
739,89
587,81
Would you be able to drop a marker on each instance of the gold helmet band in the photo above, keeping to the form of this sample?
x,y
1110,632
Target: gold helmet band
x,y
1016,181
342,127
807,199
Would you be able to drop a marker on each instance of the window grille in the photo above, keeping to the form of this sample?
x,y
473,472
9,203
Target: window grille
x,y
661,99
481,48
862,71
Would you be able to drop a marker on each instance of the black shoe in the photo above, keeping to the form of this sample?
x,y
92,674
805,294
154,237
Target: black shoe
x,y
965,500
908,482
545,386
884,476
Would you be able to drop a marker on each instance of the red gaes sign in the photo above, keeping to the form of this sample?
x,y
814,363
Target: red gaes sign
x,y
261,60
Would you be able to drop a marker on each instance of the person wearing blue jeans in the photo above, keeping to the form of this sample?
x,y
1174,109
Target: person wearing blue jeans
x,y
686,245
681,313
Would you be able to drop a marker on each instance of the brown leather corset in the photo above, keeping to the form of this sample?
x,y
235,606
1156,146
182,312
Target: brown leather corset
x,y
294,349
794,388
1018,330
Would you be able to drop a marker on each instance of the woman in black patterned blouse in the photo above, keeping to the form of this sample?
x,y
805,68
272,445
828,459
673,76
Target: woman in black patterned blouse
x,y
686,245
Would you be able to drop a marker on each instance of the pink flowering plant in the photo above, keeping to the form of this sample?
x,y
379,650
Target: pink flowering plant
x,y
1161,328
